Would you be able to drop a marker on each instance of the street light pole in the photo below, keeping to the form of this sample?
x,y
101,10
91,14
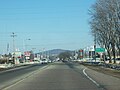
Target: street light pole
x,y
13,36
33,53
26,44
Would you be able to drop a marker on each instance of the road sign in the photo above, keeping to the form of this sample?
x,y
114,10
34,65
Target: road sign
x,y
100,49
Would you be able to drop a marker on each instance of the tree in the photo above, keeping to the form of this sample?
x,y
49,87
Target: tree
x,y
105,25
65,55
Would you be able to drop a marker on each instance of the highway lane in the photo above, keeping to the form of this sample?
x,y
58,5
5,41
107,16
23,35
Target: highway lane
x,y
58,76
13,75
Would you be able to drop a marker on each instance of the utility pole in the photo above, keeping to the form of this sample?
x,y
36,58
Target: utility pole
x,y
95,46
13,36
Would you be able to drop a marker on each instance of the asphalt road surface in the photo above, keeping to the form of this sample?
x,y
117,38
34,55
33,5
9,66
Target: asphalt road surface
x,y
56,76
13,75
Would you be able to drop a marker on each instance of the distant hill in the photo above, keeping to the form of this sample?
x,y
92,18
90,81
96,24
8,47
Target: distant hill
x,y
56,51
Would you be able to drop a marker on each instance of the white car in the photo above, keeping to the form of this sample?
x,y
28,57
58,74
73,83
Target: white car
x,y
44,61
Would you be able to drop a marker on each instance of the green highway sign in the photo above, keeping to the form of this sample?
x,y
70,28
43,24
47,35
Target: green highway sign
x,y
100,50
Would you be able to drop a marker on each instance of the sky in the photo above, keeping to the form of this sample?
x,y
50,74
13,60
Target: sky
x,y
49,24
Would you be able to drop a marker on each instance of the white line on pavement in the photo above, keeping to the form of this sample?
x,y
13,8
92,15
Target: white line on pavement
x,y
27,76
90,78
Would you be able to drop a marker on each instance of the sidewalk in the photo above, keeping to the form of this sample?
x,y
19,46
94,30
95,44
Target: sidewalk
x,y
19,64
107,81
10,66
5,66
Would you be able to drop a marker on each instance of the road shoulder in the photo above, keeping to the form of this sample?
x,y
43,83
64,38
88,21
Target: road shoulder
x,y
107,81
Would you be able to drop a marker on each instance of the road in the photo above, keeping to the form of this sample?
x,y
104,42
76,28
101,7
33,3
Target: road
x,y
11,76
56,76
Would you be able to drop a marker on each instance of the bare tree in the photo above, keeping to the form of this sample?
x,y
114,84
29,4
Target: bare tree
x,y
105,25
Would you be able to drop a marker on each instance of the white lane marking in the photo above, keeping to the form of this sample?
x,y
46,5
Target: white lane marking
x,y
27,76
90,78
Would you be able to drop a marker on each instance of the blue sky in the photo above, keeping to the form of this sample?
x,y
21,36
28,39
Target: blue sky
x,y
50,24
